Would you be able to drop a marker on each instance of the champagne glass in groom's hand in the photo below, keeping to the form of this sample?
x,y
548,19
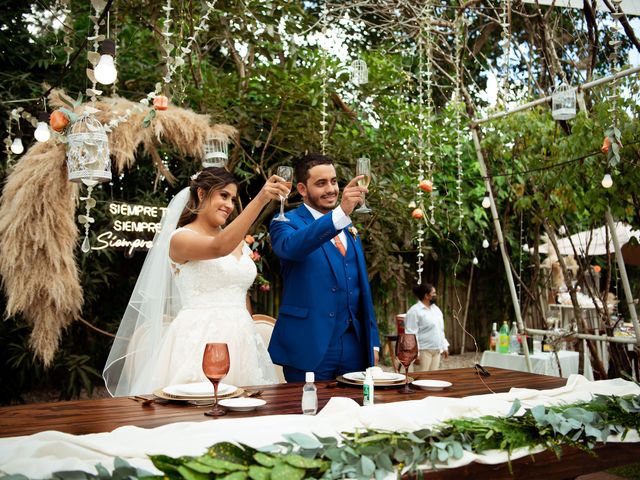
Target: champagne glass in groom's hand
x,y
215,365
406,352
287,175
363,167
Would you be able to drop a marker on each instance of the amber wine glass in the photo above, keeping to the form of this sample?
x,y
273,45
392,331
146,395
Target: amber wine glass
x,y
406,353
363,167
287,174
215,365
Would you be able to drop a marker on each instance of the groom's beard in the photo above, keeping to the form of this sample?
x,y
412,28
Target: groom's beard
x,y
323,203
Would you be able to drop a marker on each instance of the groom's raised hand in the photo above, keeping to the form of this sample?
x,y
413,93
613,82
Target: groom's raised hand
x,y
352,195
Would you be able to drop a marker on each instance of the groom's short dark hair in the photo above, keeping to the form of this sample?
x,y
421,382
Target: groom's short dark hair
x,y
307,162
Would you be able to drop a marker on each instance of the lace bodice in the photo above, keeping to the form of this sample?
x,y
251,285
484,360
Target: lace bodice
x,y
220,282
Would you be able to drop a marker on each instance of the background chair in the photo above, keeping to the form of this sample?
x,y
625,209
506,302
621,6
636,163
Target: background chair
x,y
264,325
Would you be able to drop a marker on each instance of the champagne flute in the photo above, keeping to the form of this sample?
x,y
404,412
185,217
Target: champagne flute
x,y
215,365
363,167
287,174
406,353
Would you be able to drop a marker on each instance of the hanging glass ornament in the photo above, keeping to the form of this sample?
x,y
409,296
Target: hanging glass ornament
x,y
359,72
216,152
563,102
88,162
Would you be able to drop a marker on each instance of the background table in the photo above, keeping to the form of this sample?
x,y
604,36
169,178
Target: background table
x,y
543,363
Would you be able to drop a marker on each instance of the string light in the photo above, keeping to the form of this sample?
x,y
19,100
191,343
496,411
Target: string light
x,y
105,72
607,181
486,201
42,132
17,147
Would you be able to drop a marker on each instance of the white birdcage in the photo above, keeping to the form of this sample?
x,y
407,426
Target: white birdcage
x,y
359,73
563,102
88,158
216,152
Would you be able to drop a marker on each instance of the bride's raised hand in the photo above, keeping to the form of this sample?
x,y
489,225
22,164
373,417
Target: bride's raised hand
x,y
275,188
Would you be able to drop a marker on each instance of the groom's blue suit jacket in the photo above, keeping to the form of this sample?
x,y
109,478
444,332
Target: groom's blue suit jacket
x,y
314,284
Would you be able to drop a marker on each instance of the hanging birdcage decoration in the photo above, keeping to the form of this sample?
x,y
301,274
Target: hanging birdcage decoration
x,y
88,162
359,73
88,158
563,102
216,152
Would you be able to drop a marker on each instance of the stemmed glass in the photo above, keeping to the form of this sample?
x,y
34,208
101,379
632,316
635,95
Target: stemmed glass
x,y
287,174
406,353
215,365
363,167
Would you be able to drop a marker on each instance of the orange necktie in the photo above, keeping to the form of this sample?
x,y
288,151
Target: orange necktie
x,y
340,245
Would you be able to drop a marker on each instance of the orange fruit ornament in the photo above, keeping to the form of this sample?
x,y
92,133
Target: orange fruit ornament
x,y
58,121
426,185
605,145
417,214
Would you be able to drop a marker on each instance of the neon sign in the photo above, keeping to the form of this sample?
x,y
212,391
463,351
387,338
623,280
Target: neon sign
x,y
132,227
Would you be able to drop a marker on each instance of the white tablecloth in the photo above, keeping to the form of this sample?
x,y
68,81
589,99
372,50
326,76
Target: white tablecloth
x,y
38,455
542,363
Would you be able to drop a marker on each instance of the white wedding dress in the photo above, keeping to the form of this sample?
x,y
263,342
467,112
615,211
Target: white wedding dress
x,y
213,296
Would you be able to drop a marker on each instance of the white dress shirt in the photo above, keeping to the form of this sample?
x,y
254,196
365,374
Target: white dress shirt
x,y
340,222
427,323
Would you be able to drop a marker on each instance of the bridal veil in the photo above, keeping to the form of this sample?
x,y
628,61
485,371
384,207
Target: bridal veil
x,y
155,301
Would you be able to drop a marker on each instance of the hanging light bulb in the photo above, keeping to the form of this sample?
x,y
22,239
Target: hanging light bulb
x,y
486,201
42,132
105,72
562,230
475,260
485,243
17,147
607,181
525,247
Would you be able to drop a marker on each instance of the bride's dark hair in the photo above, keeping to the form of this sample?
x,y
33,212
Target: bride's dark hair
x,y
209,180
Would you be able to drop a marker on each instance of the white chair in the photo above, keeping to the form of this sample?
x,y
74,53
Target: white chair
x,y
264,325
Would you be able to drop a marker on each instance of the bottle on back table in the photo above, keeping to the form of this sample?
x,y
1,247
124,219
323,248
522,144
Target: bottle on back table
x,y
503,338
494,338
514,344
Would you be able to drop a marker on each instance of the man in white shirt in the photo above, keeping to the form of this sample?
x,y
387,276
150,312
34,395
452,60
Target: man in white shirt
x,y
425,320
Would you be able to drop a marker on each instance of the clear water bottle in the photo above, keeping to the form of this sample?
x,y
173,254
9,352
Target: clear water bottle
x,y
514,344
367,389
309,395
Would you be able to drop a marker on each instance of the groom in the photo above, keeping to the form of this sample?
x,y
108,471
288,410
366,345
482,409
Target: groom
x,y
326,322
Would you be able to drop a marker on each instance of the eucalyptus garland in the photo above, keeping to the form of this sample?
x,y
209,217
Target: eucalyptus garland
x,y
377,454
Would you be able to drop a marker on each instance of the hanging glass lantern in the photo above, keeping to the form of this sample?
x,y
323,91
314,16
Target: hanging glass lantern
x,y
88,162
563,102
359,73
216,152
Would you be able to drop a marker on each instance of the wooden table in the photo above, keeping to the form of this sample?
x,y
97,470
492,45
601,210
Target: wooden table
x,y
103,415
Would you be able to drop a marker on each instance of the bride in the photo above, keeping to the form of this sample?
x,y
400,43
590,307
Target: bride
x,y
192,290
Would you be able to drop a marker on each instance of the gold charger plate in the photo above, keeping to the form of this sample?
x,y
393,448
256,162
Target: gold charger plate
x,y
376,383
185,398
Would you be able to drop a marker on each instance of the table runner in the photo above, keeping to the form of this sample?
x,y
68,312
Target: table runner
x,y
39,455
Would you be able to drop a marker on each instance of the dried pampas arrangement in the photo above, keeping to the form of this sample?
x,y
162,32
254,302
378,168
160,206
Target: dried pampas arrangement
x,y
38,233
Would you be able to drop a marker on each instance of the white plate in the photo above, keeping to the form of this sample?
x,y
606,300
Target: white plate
x,y
201,389
431,384
383,377
242,404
